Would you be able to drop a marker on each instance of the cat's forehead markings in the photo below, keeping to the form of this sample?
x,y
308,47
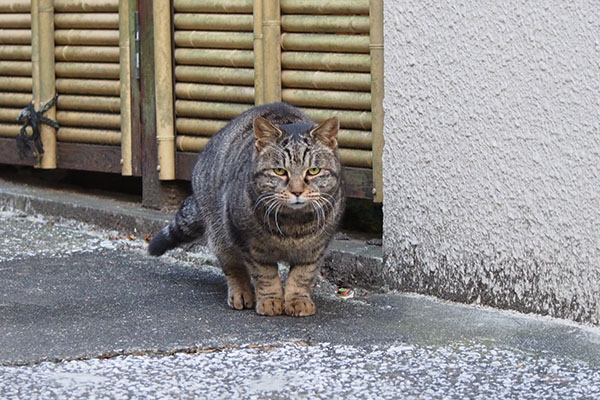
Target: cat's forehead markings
x,y
296,131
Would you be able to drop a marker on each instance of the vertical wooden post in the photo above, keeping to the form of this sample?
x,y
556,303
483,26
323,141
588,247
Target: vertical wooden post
x,y
135,95
151,195
155,194
47,79
272,51
125,86
163,79
259,74
35,52
377,93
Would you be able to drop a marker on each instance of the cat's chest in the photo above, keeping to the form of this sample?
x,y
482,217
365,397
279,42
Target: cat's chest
x,y
293,250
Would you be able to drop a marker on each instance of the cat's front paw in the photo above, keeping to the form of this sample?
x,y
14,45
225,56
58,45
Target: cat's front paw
x,y
240,299
300,307
269,306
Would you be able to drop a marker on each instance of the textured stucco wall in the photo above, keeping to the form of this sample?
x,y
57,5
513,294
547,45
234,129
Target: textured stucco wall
x,y
492,157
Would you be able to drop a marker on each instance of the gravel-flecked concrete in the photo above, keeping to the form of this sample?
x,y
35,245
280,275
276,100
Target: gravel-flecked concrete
x,y
326,371
84,312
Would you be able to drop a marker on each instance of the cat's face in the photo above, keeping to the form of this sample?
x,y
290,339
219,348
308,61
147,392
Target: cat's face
x,y
296,165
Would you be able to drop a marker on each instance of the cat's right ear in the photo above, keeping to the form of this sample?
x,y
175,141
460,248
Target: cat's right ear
x,y
264,133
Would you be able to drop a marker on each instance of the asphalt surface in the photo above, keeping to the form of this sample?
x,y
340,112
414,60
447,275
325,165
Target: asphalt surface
x,y
85,313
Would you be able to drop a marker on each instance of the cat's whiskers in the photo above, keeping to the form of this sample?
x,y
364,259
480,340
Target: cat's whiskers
x,y
319,213
274,204
276,222
323,217
313,198
263,198
269,208
316,213
323,194
325,201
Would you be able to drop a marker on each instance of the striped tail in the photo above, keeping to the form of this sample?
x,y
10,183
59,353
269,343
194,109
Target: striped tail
x,y
186,227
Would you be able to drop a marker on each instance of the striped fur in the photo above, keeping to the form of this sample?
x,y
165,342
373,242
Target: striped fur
x,y
253,217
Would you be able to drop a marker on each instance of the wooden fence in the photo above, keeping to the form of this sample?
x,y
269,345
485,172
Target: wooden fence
x,y
201,63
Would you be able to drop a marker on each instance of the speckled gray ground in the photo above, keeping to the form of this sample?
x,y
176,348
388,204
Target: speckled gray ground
x,y
84,313
290,371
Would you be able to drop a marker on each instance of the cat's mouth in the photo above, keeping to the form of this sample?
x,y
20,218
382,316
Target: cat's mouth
x,y
296,204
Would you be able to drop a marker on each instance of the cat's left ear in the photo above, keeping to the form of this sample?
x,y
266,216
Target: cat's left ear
x,y
326,132
264,133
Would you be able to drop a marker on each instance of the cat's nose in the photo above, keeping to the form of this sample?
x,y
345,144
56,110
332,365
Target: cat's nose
x,y
297,194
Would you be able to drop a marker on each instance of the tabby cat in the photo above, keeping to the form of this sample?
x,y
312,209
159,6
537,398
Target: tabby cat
x,y
267,188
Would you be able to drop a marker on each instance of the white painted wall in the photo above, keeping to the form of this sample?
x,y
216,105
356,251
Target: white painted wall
x,y
492,154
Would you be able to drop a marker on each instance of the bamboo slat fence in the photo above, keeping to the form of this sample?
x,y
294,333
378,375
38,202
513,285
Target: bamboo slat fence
x,y
213,59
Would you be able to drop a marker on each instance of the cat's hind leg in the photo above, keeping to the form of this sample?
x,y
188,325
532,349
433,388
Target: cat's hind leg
x,y
239,287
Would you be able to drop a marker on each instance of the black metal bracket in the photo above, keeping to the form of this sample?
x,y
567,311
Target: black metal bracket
x,y
29,117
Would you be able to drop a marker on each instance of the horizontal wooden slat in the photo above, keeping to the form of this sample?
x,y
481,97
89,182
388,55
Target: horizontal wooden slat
x,y
213,6
226,76
191,143
15,53
88,87
15,84
76,156
9,153
9,114
326,61
348,119
86,37
358,182
86,21
87,70
355,139
15,99
195,91
184,164
15,21
213,22
15,36
214,40
9,130
89,157
88,119
327,99
225,58
356,158
12,68
325,24
325,42
95,136
89,103
343,7
198,127
87,6
326,80
203,109
86,54
15,6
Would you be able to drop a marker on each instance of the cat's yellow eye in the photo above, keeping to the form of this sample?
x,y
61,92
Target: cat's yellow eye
x,y
313,171
280,171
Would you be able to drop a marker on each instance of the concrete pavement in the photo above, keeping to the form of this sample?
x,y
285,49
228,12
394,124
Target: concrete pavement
x,y
84,312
